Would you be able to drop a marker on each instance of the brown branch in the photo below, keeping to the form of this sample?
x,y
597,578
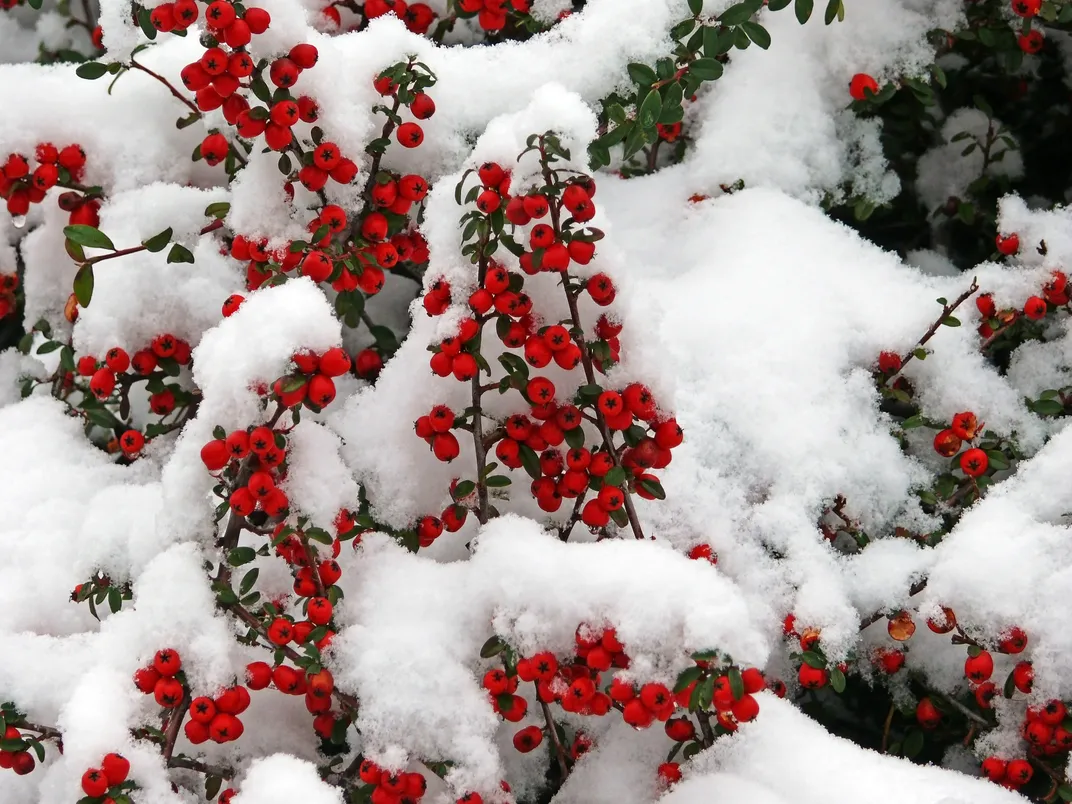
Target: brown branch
x,y
565,531
705,728
190,104
135,249
46,732
552,733
946,312
187,763
174,724
886,728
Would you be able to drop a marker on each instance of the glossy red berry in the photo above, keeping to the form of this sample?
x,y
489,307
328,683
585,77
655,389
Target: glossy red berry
x,y
862,84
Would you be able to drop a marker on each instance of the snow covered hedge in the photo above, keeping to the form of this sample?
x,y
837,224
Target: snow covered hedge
x,y
525,400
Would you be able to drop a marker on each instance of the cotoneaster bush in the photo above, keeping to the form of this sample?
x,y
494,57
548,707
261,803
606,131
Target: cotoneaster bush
x,y
481,401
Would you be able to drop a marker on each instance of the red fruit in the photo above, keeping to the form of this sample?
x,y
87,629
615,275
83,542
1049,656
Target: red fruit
x,y
233,701
753,680
202,710
167,662
680,729
215,455
1053,713
860,85
242,501
1023,676
283,73
974,462
145,679
812,677
984,694
515,710
491,174
1013,641
670,772
979,668
1018,771
947,443
1035,308
102,383
281,631
94,782
410,135
304,55
257,19
168,693
225,728
321,391
429,529
422,106
637,715
258,675
195,732
131,442
116,768
528,739
986,306
319,611
445,446
927,714
994,768
745,709
1007,245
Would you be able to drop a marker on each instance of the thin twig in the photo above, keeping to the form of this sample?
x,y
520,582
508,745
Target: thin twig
x,y
174,724
223,771
552,733
946,312
871,619
190,104
135,249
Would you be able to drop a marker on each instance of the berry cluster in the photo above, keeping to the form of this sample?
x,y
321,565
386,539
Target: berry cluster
x,y
387,787
533,439
996,322
216,718
109,781
965,428
21,761
163,679
216,77
22,187
491,15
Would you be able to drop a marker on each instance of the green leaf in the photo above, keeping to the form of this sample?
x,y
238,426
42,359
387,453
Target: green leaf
x,y
653,487
1065,791
1043,407
493,647
319,535
778,5
218,210
802,8
531,461
212,786
463,489
83,285
498,481
736,683
248,580
686,677
913,743
758,34
89,236
641,74
951,321
706,69
834,9
179,253
650,109
115,600
241,555
813,659
837,680
695,6
14,746
740,12
997,459
91,70
158,241
615,477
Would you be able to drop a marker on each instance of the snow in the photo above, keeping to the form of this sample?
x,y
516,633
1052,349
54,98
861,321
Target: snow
x,y
753,317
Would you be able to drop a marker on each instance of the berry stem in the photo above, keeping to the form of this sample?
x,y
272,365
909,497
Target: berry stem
x,y
886,728
218,224
586,358
565,531
478,413
705,728
223,771
552,733
189,104
174,725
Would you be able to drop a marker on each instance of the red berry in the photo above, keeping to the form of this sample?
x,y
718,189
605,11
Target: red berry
x,y
1007,244
862,84
94,782
979,668
116,768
